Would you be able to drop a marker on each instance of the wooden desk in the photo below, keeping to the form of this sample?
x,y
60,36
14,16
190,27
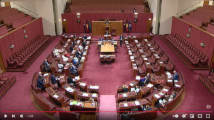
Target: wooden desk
x,y
133,104
107,48
90,105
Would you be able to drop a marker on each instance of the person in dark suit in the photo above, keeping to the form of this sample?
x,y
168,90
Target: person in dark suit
x,y
142,81
84,37
46,66
72,46
75,61
121,40
54,81
71,81
175,75
73,70
84,43
84,27
78,54
125,88
130,27
40,81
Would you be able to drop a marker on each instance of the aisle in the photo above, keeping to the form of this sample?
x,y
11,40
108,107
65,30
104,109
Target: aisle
x,y
107,108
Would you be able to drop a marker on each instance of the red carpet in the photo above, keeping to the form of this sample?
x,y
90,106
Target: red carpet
x,y
107,108
108,76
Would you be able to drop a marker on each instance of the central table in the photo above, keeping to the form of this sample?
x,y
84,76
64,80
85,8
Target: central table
x,y
107,48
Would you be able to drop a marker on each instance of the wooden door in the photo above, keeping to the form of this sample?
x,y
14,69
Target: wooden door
x,y
64,26
206,2
2,68
7,4
149,25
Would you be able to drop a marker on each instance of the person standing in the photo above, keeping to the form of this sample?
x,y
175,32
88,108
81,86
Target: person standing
x,y
121,40
130,26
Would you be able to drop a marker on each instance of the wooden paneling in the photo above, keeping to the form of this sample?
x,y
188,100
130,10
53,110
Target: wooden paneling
x,y
64,26
206,2
2,69
99,27
149,26
7,4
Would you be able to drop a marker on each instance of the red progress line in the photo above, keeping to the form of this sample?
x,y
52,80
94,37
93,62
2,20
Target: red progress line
x,y
102,111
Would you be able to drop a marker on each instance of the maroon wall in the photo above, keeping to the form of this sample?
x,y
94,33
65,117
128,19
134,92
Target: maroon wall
x,y
196,36
74,27
33,30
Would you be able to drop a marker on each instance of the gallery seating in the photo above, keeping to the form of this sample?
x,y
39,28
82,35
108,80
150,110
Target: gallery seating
x,y
19,58
3,30
6,82
208,81
193,54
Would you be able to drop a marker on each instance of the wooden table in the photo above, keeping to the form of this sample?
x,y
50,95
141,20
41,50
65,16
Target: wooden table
x,y
107,48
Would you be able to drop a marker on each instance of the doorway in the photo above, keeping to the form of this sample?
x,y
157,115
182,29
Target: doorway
x,y
2,68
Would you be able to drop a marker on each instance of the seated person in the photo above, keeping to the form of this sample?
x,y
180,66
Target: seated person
x,y
46,66
142,81
73,70
64,58
60,67
172,96
143,107
75,61
125,88
84,37
84,43
66,54
148,78
175,75
137,89
71,48
71,81
40,81
56,53
78,54
80,48
161,102
54,81
148,108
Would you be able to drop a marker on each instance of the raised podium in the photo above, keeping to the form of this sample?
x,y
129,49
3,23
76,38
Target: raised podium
x,y
101,28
